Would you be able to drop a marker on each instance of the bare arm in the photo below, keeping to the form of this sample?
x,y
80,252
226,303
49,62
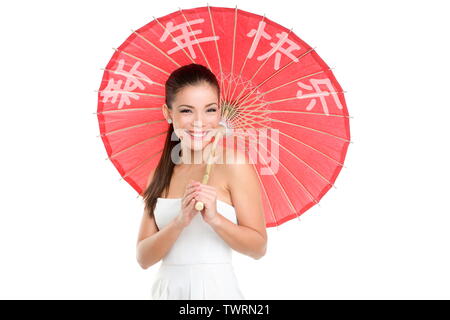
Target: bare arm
x,y
153,245
240,238
249,236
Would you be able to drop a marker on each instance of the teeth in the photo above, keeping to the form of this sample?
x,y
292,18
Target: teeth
x,y
197,135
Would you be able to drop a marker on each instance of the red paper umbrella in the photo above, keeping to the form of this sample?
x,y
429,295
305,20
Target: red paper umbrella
x,y
270,80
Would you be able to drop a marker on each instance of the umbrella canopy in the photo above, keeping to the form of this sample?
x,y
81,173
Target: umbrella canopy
x,y
271,81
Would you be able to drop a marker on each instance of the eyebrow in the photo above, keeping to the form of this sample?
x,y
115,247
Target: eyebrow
x,y
186,105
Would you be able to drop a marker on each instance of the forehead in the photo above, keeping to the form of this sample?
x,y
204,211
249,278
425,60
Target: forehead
x,y
197,94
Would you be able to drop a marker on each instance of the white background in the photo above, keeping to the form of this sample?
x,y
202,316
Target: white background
x,y
68,226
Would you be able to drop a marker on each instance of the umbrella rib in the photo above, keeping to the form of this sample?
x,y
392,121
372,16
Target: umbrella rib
x,y
110,121
232,55
157,48
263,188
279,183
134,145
254,74
309,96
142,60
284,84
302,112
265,111
217,51
298,140
195,37
133,92
248,115
265,193
174,40
276,72
316,172
126,75
311,147
141,164
293,176
126,110
257,71
245,119
245,61
131,127
246,107
305,127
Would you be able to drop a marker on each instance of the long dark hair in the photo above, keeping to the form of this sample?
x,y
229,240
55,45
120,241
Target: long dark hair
x,y
190,74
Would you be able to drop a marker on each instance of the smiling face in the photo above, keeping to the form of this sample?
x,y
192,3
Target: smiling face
x,y
195,114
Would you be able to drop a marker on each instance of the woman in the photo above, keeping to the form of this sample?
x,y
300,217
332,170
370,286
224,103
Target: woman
x,y
195,246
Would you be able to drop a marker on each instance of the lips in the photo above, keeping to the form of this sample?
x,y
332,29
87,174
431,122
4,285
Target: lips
x,y
197,134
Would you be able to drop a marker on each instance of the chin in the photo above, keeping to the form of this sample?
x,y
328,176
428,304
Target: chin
x,y
195,146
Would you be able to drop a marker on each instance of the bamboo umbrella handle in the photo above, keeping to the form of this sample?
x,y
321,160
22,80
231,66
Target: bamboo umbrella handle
x,y
200,205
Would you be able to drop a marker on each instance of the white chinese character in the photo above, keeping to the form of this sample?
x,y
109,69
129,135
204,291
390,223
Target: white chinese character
x,y
113,89
319,94
276,47
257,34
184,40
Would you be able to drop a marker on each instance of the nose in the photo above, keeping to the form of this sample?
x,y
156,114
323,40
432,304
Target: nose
x,y
198,123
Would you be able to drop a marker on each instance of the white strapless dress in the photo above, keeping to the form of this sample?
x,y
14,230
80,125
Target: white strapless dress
x,y
198,266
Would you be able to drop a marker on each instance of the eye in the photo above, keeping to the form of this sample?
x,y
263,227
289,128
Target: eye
x,y
185,110
212,110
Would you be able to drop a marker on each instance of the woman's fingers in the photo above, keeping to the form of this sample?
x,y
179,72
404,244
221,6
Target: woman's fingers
x,y
196,188
188,198
208,187
191,205
189,195
192,210
205,198
189,188
208,192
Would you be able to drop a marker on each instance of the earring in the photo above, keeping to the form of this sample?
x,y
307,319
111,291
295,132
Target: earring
x,y
169,121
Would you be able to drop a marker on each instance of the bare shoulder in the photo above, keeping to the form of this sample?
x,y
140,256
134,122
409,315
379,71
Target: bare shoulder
x,y
233,164
245,190
240,172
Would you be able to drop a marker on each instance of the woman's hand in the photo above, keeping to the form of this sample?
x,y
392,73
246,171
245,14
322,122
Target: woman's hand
x,y
208,195
188,201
